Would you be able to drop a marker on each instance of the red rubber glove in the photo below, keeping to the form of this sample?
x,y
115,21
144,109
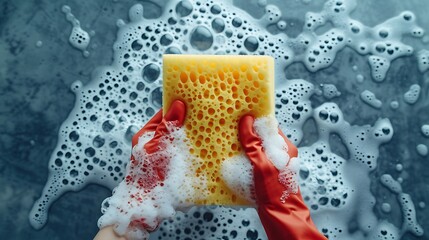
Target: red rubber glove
x,y
288,220
155,172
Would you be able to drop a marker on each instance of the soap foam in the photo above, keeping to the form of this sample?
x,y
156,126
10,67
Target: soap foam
x,y
79,38
293,107
423,60
388,181
138,203
237,172
330,91
422,150
274,145
142,201
412,95
369,98
425,130
276,150
94,142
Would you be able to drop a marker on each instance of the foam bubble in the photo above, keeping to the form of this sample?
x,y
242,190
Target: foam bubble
x,y
369,98
388,181
409,215
201,38
360,78
79,38
412,95
330,91
272,14
136,13
282,24
385,207
394,104
379,67
385,231
423,60
399,167
422,150
425,130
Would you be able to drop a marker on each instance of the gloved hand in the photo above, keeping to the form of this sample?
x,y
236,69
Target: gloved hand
x,y
155,172
289,219
146,176
158,124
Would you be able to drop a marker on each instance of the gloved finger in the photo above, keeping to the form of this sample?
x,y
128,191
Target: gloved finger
x,y
252,144
148,127
151,125
176,116
176,113
292,150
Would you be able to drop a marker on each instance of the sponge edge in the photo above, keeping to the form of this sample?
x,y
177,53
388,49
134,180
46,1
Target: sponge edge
x,y
218,91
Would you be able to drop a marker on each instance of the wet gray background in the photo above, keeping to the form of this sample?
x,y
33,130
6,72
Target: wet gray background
x,y
35,98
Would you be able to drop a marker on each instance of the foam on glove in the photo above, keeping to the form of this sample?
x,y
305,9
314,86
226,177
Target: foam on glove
x,y
238,172
134,209
274,144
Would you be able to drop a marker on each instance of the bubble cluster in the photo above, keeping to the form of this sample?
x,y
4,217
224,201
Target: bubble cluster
x,y
330,183
321,177
79,38
409,215
379,67
407,206
343,175
382,42
94,142
293,107
385,231
212,223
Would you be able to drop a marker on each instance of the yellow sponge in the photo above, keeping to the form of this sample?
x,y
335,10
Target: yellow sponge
x,y
217,91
